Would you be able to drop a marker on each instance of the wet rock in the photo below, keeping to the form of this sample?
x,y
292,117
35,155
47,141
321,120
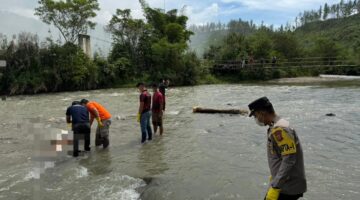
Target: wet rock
x,y
6,138
330,115
147,180
118,117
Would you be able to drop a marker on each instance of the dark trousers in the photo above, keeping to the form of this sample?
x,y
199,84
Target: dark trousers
x,y
288,197
81,132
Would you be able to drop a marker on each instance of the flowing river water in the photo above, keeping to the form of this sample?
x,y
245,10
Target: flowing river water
x,y
200,156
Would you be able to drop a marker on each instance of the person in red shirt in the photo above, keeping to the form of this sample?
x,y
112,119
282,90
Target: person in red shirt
x,y
163,85
103,117
144,113
157,109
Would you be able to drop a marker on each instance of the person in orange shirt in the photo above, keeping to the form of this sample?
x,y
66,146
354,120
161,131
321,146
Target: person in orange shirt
x,y
103,117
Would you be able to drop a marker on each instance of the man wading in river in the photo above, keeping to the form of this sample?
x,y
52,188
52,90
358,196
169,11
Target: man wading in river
x,y
103,117
285,156
79,117
157,109
163,85
144,114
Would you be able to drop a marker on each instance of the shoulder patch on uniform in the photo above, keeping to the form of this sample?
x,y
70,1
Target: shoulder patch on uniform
x,y
278,135
284,141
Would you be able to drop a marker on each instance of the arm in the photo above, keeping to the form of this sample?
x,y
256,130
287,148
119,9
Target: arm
x,y
68,115
141,107
68,119
161,101
287,146
96,115
281,177
91,119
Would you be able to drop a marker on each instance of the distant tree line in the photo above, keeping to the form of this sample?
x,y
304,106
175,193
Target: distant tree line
x,y
232,26
264,44
335,11
340,10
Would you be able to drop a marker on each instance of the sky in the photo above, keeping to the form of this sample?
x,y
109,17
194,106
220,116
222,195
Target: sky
x,y
274,12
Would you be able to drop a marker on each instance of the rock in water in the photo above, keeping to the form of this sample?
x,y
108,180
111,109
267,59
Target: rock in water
x,y
330,115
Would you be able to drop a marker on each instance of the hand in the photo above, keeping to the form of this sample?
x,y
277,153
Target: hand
x,y
99,122
272,194
138,117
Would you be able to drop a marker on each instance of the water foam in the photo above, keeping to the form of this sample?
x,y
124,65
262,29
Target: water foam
x,y
81,172
117,187
115,94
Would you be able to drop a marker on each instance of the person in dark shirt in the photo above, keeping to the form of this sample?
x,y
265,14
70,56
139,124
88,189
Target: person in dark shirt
x,y
144,113
162,86
78,115
157,109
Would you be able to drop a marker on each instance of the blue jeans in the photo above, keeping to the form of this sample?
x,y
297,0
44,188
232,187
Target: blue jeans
x,y
145,126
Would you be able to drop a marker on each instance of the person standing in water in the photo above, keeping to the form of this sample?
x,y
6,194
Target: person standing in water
x,y
78,116
162,88
103,117
284,152
144,113
157,109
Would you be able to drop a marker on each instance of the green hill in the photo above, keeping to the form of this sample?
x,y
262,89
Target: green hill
x,y
344,31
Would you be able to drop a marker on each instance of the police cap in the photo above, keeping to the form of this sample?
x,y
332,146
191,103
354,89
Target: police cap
x,y
261,104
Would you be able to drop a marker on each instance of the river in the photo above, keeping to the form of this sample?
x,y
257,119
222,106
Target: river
x,y
200,156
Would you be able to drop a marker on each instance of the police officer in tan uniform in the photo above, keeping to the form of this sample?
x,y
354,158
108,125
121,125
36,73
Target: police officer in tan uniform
x,y
284,152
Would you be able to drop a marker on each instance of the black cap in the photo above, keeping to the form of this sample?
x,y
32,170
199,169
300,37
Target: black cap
x,y
154,85
84,101
137,85
261,104
75,103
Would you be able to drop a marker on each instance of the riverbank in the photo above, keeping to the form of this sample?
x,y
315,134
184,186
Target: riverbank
x,y
293,76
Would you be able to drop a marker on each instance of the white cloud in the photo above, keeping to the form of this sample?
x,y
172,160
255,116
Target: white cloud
x,y
199,12
281,5
201,16
108,8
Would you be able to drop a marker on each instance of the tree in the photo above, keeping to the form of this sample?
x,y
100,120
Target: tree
x,y
70,17
346,9
326,11
127,33
342,8
286,44
326,48
261,45
333,10
338,12
358,6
